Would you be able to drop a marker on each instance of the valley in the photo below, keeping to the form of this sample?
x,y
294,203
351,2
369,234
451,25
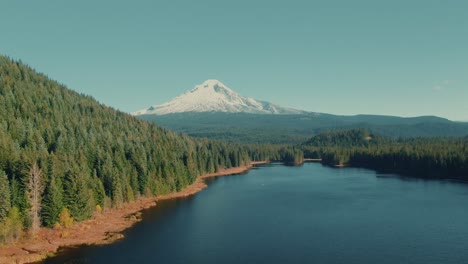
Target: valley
x,y
210,132
89,162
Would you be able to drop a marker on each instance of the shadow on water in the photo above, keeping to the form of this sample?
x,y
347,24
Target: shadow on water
x,y
78,254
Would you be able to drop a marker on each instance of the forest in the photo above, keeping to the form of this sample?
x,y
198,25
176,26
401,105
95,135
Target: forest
x,y
421,157
295,129
64,156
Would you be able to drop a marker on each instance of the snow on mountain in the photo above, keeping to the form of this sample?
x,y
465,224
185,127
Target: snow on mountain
x,y
214,96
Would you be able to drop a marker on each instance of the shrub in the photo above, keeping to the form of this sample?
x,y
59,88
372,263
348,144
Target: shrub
x,y
65,218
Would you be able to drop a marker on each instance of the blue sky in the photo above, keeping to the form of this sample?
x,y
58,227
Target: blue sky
x,y
405,58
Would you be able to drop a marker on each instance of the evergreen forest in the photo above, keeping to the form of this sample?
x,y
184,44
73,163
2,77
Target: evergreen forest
x,y
420,157
65,155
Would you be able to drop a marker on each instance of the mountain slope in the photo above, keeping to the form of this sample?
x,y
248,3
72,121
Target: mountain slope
x,y
212,110
289,129
88,154
214,96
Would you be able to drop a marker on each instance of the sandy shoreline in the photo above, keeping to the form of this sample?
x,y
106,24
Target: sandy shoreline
x,y
312,160
103,228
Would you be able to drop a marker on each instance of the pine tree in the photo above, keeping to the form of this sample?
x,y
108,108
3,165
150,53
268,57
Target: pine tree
x,y
52,203
116,191
5,203
98,190
78,197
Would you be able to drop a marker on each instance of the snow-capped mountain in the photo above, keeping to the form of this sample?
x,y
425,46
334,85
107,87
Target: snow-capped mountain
x,y
214,96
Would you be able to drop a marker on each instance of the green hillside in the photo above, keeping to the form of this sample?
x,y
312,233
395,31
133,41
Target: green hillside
x,y
77,154
417,157
290,129
346,138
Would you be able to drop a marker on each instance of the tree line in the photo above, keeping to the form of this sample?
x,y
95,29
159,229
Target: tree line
x,y
422,157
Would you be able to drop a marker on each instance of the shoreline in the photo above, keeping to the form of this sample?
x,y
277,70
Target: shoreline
x,y
102,228
312,160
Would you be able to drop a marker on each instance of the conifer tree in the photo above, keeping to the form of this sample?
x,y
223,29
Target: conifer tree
x,y
78,197
52,202
5,203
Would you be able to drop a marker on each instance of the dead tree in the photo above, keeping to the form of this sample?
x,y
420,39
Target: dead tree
x,y
35,190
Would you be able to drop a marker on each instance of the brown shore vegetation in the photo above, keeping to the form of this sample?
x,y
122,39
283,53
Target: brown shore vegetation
x,y
103,228
312,160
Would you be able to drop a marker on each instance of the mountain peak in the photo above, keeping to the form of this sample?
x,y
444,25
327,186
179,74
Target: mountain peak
x,y
212,82
212,85
214,96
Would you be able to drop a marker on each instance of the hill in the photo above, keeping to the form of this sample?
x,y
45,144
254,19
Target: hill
x,y
62,151
445,158
297,128
346,138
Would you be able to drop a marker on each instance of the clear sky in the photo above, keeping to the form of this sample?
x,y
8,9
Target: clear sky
x,y
399,57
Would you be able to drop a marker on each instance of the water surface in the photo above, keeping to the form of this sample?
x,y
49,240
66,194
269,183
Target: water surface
x,y
308,214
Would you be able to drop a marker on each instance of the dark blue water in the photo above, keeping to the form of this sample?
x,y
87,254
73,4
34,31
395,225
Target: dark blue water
x,y
308,214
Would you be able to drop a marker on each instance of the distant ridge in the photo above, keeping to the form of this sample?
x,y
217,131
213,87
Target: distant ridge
x,y
287,129
214,96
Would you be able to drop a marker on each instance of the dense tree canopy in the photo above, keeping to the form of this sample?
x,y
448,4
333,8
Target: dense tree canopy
x,y
4,196
63,154
422,157
295,129
88,153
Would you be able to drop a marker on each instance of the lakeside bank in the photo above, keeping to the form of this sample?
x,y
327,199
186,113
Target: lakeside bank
x,y
102,228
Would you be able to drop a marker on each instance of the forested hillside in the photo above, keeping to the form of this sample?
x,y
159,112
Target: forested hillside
x,y
347,138
62,152
64,156
295,129
421,157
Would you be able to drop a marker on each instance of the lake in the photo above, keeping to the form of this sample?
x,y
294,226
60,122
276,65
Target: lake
x,y
307,214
